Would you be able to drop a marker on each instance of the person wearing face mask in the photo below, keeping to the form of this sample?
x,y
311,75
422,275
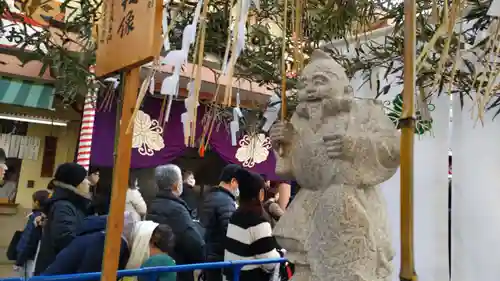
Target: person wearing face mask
x,y
168,208
189,194
65,212
218,207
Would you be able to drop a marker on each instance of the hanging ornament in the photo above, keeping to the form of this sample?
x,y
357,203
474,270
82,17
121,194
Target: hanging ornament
x,y
254,149
235,124
272,112
187,118
494,10
177,59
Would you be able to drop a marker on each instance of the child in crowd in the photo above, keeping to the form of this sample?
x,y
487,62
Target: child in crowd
x,y
32,233
150,247
161,243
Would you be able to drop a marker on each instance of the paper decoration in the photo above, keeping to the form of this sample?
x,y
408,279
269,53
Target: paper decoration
x,y
235,124
188,117
15,144
21,147
494,10
253,150
147,136
272,112
240,38
5,142
178,58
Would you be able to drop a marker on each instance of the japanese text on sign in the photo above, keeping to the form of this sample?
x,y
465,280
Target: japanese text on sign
x,y
129,34
13,34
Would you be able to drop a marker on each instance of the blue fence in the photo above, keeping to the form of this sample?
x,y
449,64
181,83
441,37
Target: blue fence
x,y
152,272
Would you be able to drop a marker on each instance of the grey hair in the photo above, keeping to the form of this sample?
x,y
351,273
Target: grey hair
x,y
167,176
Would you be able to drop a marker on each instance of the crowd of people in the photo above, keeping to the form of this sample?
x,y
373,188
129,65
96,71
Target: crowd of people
x,y
65,233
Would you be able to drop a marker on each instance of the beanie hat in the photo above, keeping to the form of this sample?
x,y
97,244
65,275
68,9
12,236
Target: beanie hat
x,y
249,185
70,173
228,172
3,156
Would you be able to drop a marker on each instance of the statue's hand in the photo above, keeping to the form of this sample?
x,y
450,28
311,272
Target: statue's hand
x,y
281,133
335,145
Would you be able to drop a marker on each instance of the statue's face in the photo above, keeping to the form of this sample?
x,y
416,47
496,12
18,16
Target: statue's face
x,y
319,81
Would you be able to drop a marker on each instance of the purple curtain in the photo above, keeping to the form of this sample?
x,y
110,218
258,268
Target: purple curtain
x,y
220,142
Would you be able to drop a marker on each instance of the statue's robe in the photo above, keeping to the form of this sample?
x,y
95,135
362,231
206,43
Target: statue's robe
x,y
336,228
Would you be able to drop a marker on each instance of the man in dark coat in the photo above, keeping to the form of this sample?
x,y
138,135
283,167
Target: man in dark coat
x,y
65,212
217,209
168,208
85,252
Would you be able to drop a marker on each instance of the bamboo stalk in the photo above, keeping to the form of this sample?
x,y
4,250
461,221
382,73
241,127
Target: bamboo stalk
x,y
407,270
283,64
229,87
298,36
197,83
281,148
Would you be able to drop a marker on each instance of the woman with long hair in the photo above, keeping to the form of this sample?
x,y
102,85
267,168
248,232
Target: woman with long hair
x,y
249,234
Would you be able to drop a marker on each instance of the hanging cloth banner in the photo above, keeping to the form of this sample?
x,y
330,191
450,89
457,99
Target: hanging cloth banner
x,y
87,128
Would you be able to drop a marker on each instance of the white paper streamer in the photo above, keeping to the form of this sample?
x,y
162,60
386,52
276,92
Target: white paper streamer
x,y
191,104
235,124
272,112
494,10
178,58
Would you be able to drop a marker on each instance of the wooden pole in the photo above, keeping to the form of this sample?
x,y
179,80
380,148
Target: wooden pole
x,y
407,124
120,178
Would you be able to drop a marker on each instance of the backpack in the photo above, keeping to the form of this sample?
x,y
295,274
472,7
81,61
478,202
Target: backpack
x,y
12,249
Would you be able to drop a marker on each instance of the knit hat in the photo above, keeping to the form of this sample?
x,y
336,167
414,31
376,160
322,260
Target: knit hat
x,y
3,156
228,172
249,185
70,173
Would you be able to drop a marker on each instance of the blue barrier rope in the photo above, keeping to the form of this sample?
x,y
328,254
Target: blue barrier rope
x,y
154,271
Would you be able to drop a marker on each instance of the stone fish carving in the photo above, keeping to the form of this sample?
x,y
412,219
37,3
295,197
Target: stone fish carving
x,y
338,149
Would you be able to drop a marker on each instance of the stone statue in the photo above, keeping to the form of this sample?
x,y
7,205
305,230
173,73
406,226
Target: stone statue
x,y
338,149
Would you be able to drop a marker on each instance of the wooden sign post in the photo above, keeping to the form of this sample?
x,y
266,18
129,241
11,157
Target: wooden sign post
x,y
129,35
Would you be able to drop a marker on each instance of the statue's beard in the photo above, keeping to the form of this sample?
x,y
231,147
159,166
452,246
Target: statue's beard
x,y
312,112
316,111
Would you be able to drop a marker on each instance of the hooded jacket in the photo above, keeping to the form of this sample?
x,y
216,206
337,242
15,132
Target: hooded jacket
x,y
85,252
65,212
28,244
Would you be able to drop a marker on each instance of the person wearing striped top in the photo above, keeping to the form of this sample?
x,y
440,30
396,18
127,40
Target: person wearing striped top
x,y
249,234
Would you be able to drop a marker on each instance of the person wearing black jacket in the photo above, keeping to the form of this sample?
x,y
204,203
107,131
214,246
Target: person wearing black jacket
x,y
218,207
189,194
168,208
65,212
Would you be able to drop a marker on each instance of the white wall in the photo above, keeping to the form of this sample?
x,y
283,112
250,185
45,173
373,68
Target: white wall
x,y
430,185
